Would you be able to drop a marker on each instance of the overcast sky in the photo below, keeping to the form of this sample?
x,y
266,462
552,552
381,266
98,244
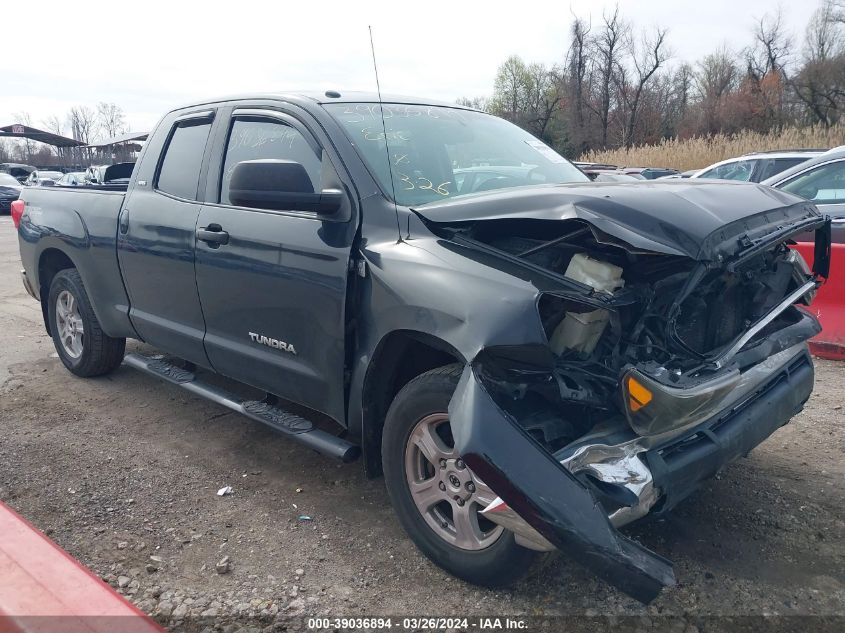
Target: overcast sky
x,y
149,56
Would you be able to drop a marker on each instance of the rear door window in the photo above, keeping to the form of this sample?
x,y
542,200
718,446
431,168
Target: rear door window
x,y
180,169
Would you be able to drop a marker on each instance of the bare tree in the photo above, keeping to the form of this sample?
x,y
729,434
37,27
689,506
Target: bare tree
x,y
617,88
822,38
54,124
648,56
5,150
479,103
820,84
24,118
682,84
577,60
715,78
770,51
111,119
608,43
766,69
83,123
837,10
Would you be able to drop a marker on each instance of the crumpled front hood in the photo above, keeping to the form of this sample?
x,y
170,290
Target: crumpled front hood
x,y
698,219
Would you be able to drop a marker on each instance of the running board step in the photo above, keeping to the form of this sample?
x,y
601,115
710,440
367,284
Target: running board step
x,y
285,422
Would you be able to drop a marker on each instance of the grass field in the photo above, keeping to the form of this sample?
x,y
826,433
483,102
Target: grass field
x,y
699,152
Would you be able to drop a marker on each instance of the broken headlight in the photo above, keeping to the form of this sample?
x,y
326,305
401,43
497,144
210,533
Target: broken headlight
x,y
653,408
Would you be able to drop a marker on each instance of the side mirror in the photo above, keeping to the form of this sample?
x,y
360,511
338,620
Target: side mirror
x,y
281,185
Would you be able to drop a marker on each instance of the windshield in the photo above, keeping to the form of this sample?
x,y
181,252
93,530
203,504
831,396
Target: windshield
x,y
441,152
8,181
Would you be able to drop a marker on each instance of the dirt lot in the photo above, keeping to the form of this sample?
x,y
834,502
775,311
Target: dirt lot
x,y
122,468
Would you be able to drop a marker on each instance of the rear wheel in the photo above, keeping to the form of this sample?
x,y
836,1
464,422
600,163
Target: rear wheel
x,y
436,496
82,345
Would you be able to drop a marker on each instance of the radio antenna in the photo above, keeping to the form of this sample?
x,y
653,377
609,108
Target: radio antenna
x,y
384,129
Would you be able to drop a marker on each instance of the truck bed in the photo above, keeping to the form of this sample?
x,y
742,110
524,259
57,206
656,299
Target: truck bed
x,y
79,223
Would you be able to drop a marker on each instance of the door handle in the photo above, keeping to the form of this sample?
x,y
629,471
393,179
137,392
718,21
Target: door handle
x,y
124,221
213,235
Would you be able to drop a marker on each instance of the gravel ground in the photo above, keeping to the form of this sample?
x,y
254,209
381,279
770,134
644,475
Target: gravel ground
x,y
123,472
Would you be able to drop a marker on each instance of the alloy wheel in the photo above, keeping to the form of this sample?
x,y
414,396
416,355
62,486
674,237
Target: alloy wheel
x,y
446,492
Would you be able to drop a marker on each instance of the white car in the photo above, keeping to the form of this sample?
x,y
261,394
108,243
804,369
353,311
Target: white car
x,y
757,166
43,178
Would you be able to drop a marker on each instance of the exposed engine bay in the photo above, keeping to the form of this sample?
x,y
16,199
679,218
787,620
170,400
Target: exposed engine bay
x,y
668,316
669,341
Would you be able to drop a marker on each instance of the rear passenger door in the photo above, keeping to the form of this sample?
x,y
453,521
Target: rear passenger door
x,y
273,292
156,237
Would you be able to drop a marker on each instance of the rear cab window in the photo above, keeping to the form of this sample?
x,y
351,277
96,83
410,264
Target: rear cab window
x,y
181,163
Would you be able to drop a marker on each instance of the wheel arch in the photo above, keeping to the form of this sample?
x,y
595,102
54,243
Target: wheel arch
x,y
399,357
50,262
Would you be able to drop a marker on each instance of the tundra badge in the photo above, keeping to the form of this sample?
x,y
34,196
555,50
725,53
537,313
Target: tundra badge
x,y
272,342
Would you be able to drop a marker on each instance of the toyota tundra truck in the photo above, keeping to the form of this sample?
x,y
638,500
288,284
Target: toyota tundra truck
x,y
531,360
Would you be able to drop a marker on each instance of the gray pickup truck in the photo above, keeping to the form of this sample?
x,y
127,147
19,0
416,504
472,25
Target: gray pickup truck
x,y
530,359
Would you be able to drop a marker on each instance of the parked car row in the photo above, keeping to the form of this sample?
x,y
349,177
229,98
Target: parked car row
x,y
10,190
14,176
95,175
43,178
814,174
18,171
610,173
757,166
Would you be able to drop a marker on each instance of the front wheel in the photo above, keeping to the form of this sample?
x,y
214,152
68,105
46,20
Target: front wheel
x,y
82,345
436,496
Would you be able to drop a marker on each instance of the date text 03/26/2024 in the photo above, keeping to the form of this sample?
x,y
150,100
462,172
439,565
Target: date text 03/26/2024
x,y
418,623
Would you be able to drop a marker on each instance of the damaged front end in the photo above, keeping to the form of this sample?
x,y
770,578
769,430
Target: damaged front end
x,y
665,361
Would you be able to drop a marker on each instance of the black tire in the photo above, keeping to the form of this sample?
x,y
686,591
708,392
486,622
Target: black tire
x,y
101,354
497,565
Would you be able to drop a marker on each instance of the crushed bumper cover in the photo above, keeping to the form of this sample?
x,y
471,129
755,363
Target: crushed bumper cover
x,y
547,496
680,467
546,504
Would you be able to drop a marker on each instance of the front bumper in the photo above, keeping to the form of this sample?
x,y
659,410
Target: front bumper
x,y
573,501
681,466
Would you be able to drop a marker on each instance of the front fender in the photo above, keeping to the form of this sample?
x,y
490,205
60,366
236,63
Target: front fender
x,y
471,304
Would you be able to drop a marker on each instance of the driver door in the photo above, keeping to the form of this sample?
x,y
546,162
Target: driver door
x,y
273,290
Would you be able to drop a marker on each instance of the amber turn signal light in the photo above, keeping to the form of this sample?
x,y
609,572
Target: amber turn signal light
x,y
638,395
